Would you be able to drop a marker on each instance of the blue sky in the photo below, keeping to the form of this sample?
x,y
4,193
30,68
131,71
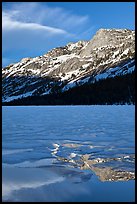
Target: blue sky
x,y
30,29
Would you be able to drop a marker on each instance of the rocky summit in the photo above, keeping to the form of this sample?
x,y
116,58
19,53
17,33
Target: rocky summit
x,y
75,71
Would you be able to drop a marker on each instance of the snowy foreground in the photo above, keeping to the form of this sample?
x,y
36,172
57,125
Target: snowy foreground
x,y
68,153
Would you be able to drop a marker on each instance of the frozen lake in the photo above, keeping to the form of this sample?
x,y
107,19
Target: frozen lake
x,y
68,153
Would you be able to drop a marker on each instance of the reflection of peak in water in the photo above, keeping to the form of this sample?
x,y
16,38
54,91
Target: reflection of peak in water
x,y
105,172
56,145
72,155
108,174
55,150
97,159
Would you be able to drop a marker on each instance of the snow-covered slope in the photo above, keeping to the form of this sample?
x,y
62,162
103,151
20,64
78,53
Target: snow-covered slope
x,y
110,53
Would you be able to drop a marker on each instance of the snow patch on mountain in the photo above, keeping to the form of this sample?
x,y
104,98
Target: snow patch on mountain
x,y
109,53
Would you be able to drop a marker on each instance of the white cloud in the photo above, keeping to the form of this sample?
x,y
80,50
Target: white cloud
x,y
31,28
9,24
35,16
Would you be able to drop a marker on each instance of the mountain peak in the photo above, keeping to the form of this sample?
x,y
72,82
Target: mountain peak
x,y
108,54
110,38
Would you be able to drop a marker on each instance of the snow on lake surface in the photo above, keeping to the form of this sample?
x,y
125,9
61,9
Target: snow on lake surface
x,y
34,138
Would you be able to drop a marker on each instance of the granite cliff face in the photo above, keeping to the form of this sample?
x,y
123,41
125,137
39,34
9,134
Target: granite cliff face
x,y
110,53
